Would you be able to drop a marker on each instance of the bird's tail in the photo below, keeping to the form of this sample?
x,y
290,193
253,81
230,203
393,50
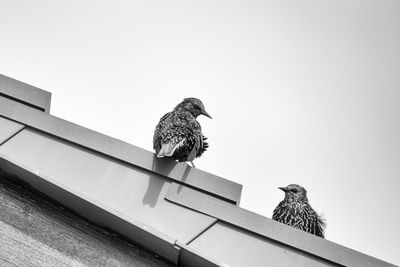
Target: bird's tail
x,y
322,219
322,223
203,146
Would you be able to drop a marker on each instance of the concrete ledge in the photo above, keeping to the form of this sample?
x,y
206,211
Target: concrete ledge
x,y
24,93
122,151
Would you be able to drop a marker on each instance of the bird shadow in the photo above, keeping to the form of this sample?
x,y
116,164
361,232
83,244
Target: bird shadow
x,y
161,167
184,177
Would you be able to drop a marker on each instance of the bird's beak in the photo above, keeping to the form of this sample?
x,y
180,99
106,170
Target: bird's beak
x,y
284,189
206,114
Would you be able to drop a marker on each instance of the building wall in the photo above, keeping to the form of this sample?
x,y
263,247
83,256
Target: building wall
x,y
35,231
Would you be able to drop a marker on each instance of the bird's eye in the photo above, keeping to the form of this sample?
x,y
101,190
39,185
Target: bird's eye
x,y
295,190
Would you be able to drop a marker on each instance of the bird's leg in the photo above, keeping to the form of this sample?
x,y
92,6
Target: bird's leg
x,y
193,164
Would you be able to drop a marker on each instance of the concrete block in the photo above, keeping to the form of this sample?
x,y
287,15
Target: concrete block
x,y
24,93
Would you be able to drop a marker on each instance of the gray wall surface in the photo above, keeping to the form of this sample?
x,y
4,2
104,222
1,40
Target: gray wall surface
x,y
36,232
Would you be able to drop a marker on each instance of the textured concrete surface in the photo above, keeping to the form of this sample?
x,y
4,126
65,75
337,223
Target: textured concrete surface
x,y
37,232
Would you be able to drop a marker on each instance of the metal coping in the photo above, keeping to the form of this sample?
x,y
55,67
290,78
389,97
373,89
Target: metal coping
x,y
26,94
96,212
182,173
190,257
269,229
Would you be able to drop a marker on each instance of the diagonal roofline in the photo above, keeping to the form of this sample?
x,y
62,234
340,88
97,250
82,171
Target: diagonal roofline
x,y
120,150
190,218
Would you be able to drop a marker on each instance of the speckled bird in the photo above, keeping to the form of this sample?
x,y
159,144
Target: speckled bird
x,y
178,134
294,210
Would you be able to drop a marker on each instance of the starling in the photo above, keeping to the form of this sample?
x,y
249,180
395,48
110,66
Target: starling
x,y
178,134
294,210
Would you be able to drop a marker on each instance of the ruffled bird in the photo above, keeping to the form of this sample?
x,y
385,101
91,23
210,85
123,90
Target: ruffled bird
x,y
178,134
294,210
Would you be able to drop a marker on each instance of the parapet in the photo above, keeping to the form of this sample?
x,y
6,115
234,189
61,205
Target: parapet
x,y
185,215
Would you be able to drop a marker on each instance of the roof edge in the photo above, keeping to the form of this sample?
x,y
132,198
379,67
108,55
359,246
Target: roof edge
x,y
182,173
26,94
268,229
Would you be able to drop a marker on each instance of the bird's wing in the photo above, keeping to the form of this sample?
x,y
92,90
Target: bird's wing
x,y
169,134
168,149
321,226
277,212
163,125
316,223
283,213
193,152
197,137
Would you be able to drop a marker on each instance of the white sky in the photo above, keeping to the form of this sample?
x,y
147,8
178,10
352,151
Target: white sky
x,y
301,92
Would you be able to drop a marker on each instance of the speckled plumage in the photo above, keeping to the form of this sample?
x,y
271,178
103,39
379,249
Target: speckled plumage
x,y
295,211
178,134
